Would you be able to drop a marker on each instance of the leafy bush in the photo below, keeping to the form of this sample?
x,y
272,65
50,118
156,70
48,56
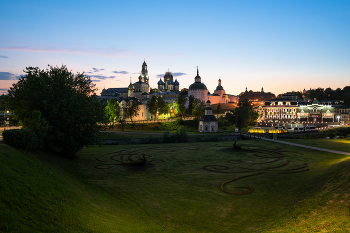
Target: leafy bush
x,y
21,139
166,136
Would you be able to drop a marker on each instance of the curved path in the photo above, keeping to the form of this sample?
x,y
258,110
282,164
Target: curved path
x,y
309,147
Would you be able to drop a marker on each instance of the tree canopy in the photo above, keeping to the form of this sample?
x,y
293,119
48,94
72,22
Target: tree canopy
x,y
243,115
131,109
181,104
198,109
112,110
157,105
63,102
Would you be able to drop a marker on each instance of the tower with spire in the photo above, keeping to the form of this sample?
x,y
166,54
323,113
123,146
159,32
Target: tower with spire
x,y
144,73
198,89
131,90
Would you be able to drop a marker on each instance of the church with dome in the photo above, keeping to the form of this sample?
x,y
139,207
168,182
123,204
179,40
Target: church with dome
x,y
169,90
138,90
200,91
168,85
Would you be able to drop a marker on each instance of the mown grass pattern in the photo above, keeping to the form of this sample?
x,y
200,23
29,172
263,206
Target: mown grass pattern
x,y
131,156
260,152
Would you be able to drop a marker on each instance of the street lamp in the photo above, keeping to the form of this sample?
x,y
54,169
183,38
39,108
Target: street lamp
x,y
338,117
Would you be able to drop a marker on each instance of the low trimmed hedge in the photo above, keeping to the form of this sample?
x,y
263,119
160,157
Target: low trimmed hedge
x,y
21,139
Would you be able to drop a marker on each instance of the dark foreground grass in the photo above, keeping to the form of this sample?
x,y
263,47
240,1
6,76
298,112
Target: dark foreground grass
x,y
42,192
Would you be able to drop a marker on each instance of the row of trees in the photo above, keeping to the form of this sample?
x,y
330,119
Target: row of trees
x,y
330,94
256,95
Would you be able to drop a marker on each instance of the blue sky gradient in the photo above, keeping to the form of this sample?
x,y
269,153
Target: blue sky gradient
x,y
279,45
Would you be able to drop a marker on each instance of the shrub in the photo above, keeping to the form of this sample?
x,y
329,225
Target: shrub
x,y
166,136
183,137
21,139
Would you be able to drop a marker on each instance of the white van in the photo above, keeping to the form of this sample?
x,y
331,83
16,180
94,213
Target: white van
x,y
310,128
299,129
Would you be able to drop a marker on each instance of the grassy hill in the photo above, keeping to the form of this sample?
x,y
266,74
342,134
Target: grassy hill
x,y
41,192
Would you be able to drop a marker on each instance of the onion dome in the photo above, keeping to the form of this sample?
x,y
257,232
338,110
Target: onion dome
x,y
160,82
131,86
170,82
219,88
168,75
176,83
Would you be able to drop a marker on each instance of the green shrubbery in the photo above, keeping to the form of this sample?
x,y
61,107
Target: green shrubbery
x,y
22,139
190,125
179,136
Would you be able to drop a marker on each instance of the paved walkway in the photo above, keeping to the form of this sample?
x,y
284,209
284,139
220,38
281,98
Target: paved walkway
x,y
309,147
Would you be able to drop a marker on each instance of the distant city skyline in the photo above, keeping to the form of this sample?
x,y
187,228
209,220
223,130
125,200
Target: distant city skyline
x,y
278,45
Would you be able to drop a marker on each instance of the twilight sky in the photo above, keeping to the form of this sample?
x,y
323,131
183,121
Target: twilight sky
x,y
279,45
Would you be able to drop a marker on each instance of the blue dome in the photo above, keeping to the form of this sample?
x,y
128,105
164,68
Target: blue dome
x,y
170,82
176,82
160,82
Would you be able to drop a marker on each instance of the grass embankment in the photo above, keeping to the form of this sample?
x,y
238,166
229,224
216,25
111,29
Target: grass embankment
x,y
173,192
340,144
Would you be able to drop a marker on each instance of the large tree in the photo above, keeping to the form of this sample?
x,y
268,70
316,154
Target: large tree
x,y
244,114
157,105
181,104
112,110
198,108
62,100
131,109
190,104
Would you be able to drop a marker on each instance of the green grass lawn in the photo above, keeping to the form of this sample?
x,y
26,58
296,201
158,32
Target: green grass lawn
x,y
340,144
41,192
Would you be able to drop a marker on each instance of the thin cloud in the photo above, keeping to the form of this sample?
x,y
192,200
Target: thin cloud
x,y
94,70
3,56
99,80
109,52
3,91
8,76
177,74
102,77
120,72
